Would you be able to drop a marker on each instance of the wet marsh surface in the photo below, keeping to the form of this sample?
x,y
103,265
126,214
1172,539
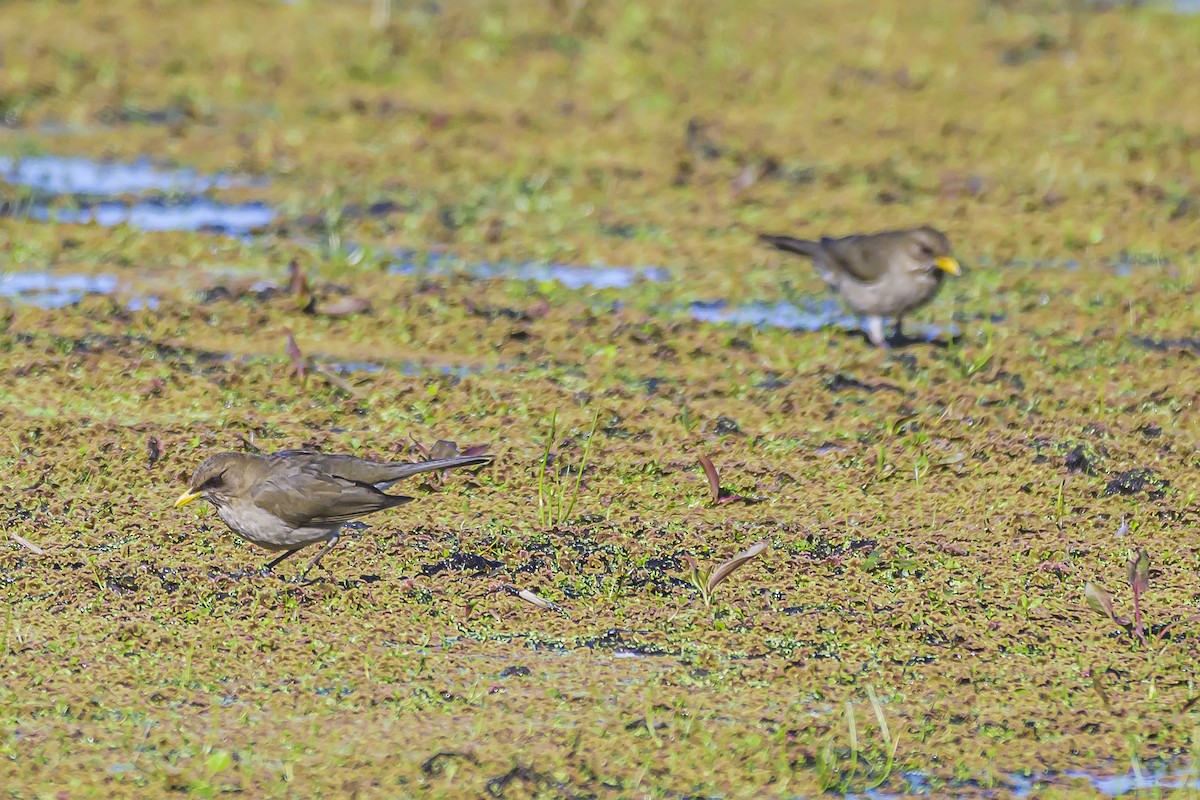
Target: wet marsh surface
x,y
498,217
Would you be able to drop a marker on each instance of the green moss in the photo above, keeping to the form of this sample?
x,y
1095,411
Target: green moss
x,y
929,541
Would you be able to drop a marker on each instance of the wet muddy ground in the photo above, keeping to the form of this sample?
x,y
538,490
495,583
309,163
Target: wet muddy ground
x,y
267,226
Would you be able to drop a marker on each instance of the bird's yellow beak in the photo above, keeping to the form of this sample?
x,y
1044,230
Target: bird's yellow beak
x,y
948,264
187,497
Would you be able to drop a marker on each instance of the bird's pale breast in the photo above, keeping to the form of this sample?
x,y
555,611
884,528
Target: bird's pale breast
x,y
266,530
896,292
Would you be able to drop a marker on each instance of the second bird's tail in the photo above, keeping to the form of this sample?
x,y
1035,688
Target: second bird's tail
x,y
453,462
804,247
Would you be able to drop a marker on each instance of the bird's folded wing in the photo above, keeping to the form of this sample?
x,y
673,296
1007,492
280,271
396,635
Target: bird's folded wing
x,y
307,497
851,256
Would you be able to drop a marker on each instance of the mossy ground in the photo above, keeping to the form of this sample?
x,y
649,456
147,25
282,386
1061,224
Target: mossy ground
x,y
933,512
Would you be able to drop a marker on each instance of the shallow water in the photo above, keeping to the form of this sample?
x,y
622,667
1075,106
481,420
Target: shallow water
x,y
1100,782
569,275
189,214
86,188
85,176
409,368
1161,777
813,315
51,290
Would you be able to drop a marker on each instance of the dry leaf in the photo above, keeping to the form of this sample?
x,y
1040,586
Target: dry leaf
x,y
443,448
714,484
298,287
297,283
950,461
727,568
1101,602
342,307
530,597
1139,572
745,179
335,379
293,352
716,494
28,545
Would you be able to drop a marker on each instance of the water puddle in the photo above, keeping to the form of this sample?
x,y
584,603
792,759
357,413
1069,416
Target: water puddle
x,y
409,369
570,276
48,290
1183,344
76,190
1134,781
84,176
1100,783
351,367
83,191
624,644
190,214
811,315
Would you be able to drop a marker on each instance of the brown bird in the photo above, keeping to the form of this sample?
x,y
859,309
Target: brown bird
x,y
294,498
880,274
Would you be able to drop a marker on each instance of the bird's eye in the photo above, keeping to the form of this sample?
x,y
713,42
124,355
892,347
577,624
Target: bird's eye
x,y
211,483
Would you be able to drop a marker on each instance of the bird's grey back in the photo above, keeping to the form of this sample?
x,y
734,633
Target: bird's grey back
x,y
851,256
380,474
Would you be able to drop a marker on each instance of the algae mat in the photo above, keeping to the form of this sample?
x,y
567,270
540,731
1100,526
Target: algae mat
x,y
934,514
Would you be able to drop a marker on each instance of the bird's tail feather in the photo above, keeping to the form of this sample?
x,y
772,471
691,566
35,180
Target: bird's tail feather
x,y
453,462
804,247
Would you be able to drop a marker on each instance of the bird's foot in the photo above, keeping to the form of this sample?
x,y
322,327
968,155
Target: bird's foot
x,y
875,332
303,578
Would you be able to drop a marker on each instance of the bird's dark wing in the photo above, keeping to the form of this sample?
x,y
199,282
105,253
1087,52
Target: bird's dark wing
x,y
307,496
380,474
863,258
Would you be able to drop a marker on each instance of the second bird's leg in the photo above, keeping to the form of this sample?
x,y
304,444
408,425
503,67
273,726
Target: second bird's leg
x,y
898,336
875,331
330,544
273,564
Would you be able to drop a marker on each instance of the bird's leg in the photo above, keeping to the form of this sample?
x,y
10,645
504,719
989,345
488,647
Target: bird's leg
x,y
272,565
875,331
330,544
898,336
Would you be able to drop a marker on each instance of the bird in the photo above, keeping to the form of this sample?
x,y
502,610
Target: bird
x,y
879,275
288,500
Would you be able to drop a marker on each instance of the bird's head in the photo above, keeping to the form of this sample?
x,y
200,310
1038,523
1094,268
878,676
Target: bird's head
x,y
221,477
931,250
